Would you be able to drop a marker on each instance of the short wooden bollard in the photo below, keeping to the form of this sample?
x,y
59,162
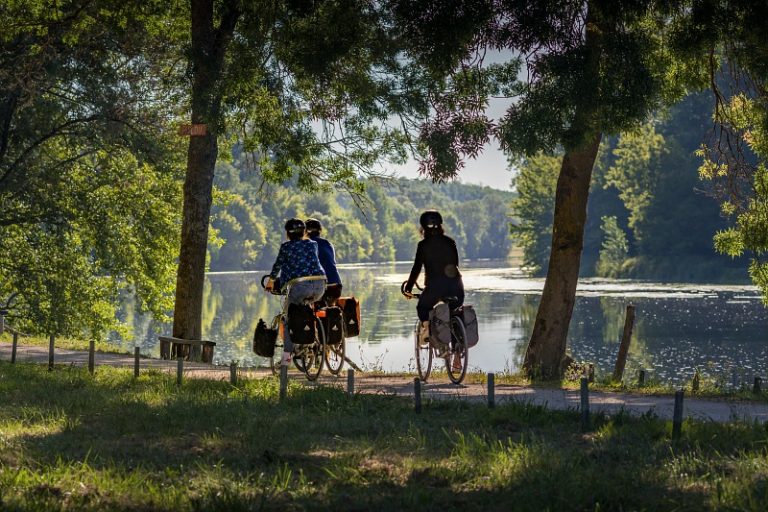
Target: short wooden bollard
x,y
283,381
136,355
14,346
757,386
641,378
677,415
179,370
417,395
621,358
491,390
91,356
350,381
51,342
584,404
233,372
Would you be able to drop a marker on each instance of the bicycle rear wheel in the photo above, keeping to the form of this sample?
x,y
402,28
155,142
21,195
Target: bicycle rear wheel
x,y
423,355
314,358
334,356
457,360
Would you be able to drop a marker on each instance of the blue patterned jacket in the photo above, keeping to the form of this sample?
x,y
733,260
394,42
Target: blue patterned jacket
x,y
297,258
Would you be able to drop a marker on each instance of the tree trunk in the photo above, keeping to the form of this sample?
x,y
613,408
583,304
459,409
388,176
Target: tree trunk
x,y
207,58
545,356
546,349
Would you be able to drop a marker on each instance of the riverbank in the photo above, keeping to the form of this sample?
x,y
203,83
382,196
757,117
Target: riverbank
x,y
73,441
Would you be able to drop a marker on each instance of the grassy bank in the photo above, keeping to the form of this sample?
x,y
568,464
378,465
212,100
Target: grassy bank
x,y
69,441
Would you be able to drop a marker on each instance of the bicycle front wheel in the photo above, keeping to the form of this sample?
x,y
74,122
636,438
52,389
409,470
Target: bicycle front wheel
x,y
423,355
314,354
458,358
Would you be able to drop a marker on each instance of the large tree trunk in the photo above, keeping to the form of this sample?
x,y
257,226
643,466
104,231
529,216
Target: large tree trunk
x,y
546,349
207,58
545,356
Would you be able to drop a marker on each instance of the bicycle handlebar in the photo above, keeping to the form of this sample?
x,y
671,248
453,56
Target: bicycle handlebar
x,y
409,295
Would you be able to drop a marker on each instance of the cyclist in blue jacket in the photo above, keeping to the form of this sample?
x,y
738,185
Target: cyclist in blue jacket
x,y
297,265
327,256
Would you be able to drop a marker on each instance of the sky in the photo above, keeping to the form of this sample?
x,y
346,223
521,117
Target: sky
x,y
490,169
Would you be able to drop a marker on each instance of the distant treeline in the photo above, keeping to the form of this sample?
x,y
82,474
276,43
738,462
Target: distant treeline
x,y
649,213
248,219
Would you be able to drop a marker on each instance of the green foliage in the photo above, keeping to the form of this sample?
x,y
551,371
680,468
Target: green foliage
x,y
614,250
88,177
534,208
748,204
648,180
381,226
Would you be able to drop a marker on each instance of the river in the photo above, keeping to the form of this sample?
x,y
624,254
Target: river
x,y
679,327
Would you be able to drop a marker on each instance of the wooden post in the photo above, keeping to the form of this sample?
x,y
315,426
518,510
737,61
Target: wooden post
x,y
626,337
584,404
417,395
677,416
179,369
136,355
51,342
283,381
491,390
756,388
233,373
350,381
91,356
14,346
641,378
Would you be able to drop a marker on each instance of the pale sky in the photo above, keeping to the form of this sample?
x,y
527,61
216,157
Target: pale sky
x,y
490,169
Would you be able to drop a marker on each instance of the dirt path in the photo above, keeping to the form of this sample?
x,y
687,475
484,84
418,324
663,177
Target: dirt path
x,y
437,389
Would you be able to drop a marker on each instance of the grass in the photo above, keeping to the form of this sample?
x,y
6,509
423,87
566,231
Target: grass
x,y
72,441
68,343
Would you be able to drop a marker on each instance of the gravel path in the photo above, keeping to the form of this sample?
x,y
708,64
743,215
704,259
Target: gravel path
x,y
438,388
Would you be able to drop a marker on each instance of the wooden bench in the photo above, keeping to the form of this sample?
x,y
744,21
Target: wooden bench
x,y
172,348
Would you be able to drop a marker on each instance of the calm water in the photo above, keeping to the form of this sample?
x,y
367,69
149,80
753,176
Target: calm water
x,y
678,327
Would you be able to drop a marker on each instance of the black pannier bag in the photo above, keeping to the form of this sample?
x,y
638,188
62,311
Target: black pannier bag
x,y
350,309
264,340
301,324
333,324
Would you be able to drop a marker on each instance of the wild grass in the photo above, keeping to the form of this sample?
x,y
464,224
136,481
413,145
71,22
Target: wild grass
x,y
72,441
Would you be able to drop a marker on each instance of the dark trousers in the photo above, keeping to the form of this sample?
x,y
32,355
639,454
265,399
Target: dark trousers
x,y
439,290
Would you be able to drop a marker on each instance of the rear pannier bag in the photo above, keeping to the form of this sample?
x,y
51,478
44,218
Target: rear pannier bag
x,y
440,325
333,325
301,324
264,340
350,309
470,324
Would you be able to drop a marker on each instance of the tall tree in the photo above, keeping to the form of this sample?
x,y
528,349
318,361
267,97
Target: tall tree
x,y
307,87
593,67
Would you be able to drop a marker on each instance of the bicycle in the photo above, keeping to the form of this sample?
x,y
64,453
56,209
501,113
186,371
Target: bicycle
x,y
457,354
308,358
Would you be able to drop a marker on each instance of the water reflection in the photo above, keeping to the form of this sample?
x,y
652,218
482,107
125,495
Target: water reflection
x,y
678,327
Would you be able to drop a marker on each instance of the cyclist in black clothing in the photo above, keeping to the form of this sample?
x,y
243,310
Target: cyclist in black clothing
x,y
440,258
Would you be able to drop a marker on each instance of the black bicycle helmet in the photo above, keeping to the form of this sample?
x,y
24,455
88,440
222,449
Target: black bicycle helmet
x,y
295,226
313,225
431,219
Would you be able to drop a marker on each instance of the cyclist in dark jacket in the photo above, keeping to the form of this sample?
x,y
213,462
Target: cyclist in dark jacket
x,y
327,256
438,255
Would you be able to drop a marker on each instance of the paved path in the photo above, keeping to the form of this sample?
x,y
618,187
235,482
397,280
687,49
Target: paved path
x,y
711,410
